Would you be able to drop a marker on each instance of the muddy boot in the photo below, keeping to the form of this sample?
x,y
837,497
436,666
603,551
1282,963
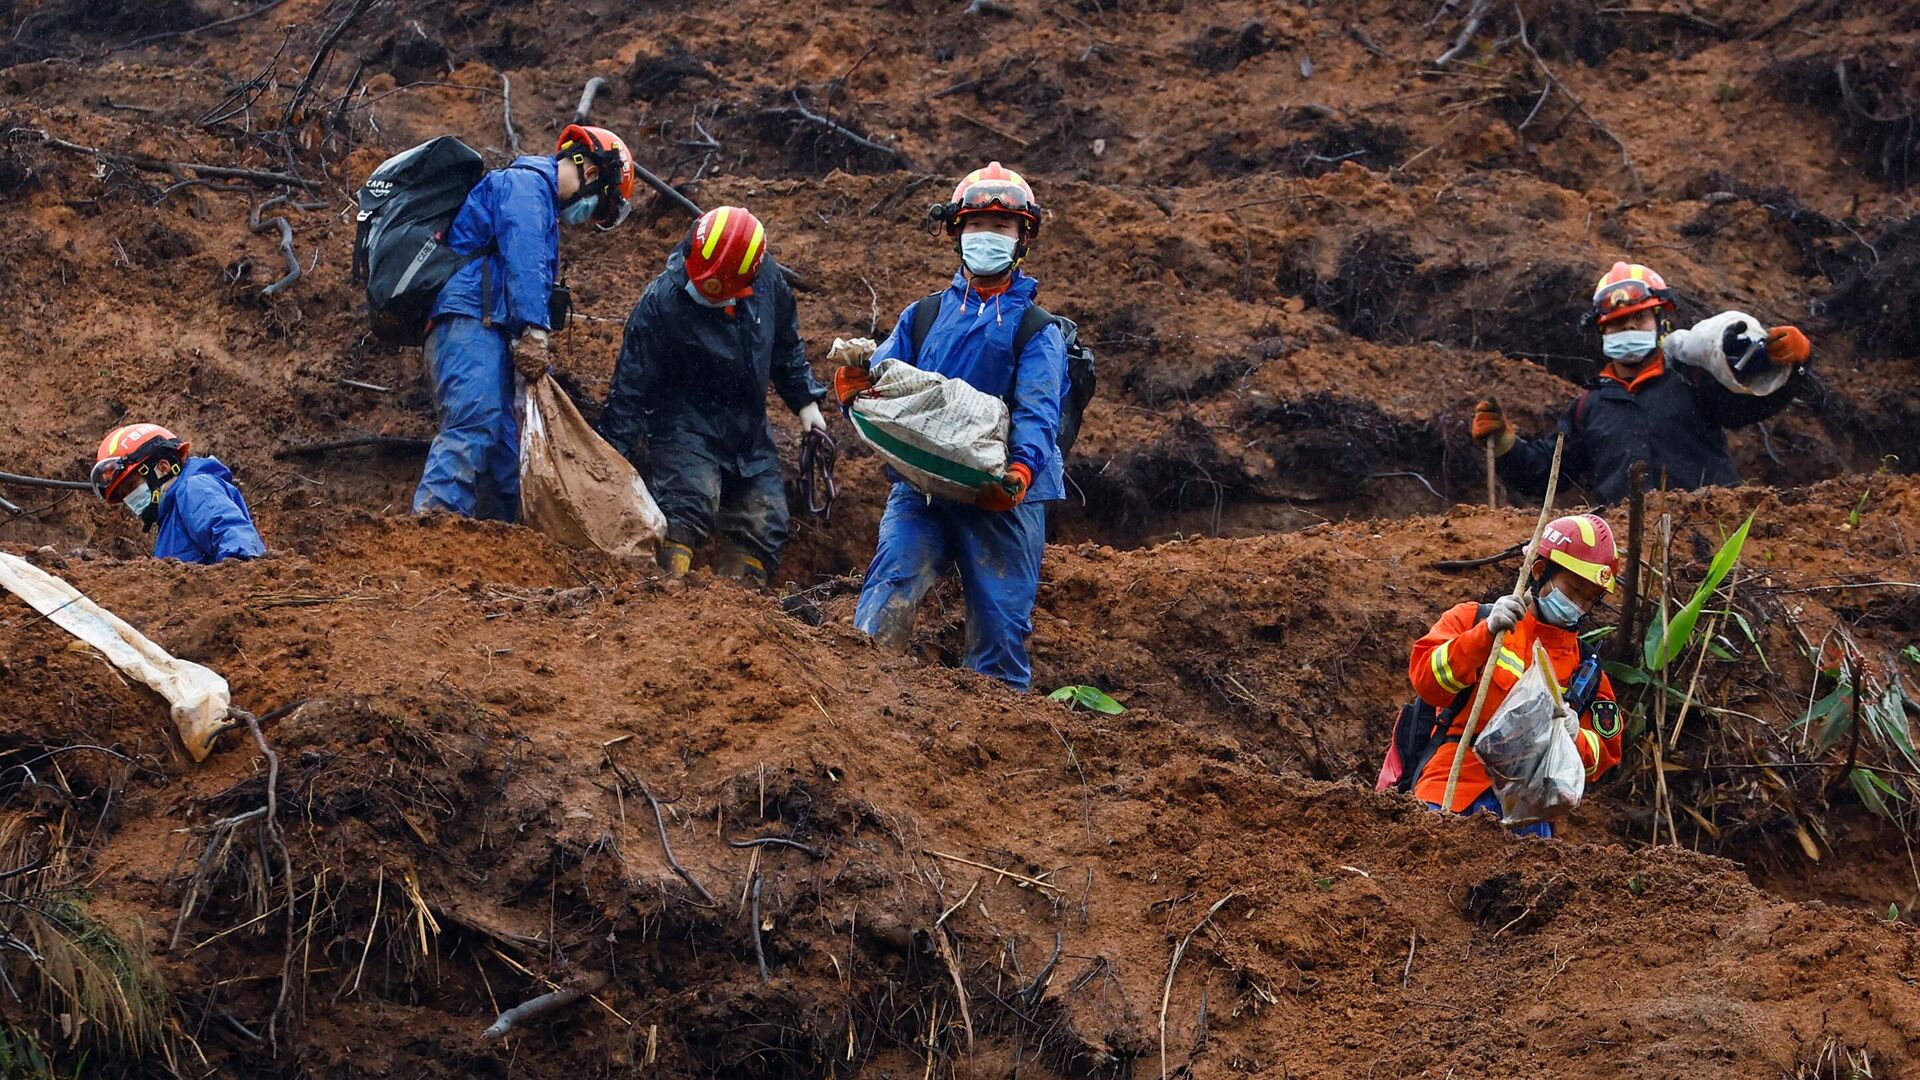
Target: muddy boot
x,y
734,561
676,555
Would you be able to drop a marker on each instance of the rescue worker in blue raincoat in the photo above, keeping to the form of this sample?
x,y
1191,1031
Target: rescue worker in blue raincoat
x,y
995,542
200,514
688,400
494,314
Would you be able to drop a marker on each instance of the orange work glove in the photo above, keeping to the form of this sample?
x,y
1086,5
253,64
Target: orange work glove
x,y
850,382
1005,493
1787,346
1490,423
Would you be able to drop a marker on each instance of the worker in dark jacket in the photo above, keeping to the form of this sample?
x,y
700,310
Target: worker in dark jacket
x,y
1666,396
688,403
200,515
493,315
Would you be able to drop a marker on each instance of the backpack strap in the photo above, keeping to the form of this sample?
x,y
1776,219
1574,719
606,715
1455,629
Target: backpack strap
x,y
925,311
1033,321
1581,405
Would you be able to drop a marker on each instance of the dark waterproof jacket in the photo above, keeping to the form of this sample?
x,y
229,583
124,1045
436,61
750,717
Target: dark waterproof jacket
x,y
697,376
1675,420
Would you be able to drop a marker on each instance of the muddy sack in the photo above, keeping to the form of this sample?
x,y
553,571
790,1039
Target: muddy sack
x,y
575,487
940,435
1536,770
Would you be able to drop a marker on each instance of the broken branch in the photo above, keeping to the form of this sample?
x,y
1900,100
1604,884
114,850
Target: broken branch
x,y
801,112
506,114
666,846
535,1008
762,841
759,950
289,117
173,168
1035,882
1173,968
214,25
587,94
395,443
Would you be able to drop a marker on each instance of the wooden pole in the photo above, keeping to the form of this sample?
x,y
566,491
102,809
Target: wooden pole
x,y
1493,483
1519,590
1626,637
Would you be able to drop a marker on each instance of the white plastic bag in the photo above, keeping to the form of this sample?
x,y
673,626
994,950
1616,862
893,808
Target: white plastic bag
x,y
197,697
1536,770
1702,344
577,488
941,435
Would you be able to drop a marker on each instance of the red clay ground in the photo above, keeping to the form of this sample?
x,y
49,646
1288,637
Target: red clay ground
x,y
1302,252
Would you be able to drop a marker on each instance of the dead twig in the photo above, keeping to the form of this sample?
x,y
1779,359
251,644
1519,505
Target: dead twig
x,y
1173,968
506,114
255,223
272,824
1472,26
801,112
291,115
959,988
535,1008
1030,994
1454,566
1553,82
172,168
1021,878
759,950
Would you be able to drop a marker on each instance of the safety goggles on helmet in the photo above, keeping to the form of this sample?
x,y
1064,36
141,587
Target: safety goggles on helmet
x,y
114,478
1627,290
614,182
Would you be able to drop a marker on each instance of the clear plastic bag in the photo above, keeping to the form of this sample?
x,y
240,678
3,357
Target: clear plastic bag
x,y
1536,770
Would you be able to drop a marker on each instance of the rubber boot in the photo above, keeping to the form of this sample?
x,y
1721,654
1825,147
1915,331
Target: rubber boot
x,y
676,558
736,562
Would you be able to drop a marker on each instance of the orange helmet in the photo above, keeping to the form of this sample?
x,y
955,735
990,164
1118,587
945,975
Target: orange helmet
x,y
995,189
132,453
1581,543
724,253
602,149
1626,289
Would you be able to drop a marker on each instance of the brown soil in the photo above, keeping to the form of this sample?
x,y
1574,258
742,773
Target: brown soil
x,y
1301,254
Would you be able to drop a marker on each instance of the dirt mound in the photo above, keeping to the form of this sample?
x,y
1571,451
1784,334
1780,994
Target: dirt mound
x,y
466,785
1302,245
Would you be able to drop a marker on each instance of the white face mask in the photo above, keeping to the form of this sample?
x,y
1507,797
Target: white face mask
x,y
1629,345
988,253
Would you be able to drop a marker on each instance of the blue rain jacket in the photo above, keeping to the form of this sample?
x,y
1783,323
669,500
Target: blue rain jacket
x,y
973,340
512,214
204,518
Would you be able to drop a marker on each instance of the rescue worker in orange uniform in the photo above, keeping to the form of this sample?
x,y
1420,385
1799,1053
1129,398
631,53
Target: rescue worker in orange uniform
x,y
1573,569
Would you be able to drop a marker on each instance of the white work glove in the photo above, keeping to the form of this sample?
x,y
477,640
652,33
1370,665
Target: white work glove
x,y
1569,720
1506,614
530,353
853,352
811,420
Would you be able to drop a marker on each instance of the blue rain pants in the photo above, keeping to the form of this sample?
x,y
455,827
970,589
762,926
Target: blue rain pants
x,y
473,467
998,556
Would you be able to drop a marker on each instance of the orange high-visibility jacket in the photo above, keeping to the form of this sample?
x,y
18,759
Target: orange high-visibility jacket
x,y
1448,660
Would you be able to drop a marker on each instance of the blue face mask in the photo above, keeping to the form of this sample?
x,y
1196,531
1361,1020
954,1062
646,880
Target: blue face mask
x,y
1629,345
580,212
139,503
694,291
1555,609
987,253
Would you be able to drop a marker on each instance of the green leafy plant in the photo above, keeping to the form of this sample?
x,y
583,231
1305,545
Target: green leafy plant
x,y
1893,912
1087,697
1666,641
1911,653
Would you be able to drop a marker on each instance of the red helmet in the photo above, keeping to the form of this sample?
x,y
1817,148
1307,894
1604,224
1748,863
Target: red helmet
x,y
602,149
995,189
724,253
129,454
1626,289
1581,543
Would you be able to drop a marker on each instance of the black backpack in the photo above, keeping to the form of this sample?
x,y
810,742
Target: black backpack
x,y
1081,378
399,245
